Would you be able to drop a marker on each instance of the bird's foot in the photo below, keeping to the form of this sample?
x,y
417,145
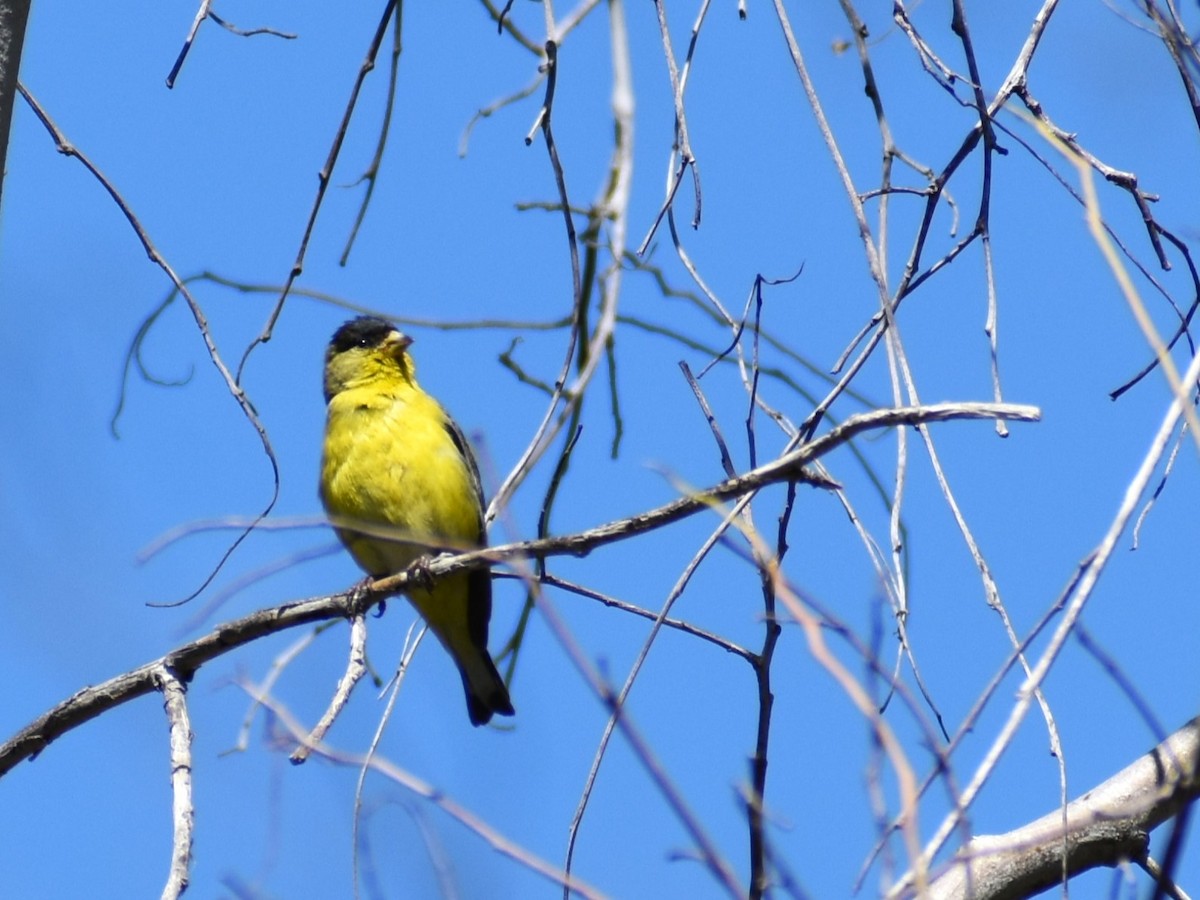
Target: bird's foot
x,y
360,597
419,574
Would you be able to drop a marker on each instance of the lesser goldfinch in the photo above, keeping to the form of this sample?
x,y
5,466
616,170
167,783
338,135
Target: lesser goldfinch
x,y
395,460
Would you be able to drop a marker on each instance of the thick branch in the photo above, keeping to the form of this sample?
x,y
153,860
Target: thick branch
x,y
92,701
789,467
185,660
14,14
1108,825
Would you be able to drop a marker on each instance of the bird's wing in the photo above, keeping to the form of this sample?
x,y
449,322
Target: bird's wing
x,y
464,450
479,581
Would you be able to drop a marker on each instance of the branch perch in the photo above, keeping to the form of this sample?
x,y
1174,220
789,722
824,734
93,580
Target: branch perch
x,y
185,660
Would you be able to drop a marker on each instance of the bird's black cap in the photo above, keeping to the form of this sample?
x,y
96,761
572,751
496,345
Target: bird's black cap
x,y
365,331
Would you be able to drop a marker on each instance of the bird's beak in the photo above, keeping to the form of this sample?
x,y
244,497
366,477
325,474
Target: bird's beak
x,y
395,344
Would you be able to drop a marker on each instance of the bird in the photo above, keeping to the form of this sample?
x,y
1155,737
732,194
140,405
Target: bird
x,y
395,461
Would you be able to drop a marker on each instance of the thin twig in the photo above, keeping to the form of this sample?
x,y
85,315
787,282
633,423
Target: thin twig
x,y
323,179
235,390
1072,604
356,667
371,175
422,788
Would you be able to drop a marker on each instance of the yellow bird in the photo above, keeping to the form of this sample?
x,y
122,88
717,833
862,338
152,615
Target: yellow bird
x,y
394,460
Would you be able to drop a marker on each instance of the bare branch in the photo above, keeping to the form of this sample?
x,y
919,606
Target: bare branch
x,y
498,841
174,694
236,391
1107,825
186,659
356,667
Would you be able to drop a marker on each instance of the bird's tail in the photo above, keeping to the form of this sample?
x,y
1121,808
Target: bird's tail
x,y
462,630
486,693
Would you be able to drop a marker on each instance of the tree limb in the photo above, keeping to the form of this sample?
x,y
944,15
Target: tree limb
x,y
1108,825
14,15
186,659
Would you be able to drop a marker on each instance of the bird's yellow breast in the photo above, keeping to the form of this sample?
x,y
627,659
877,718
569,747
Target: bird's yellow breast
x,y
390,460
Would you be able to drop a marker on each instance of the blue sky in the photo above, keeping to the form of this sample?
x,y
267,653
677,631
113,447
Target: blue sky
x,y
221,172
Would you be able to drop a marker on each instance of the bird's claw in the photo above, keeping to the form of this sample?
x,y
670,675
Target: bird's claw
x,y
419,574
360,597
